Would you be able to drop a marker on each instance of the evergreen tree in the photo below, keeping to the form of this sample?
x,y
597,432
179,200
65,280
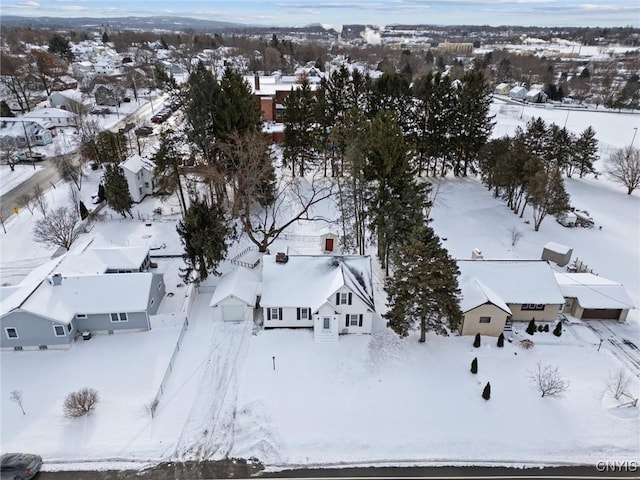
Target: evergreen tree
x,y
585,152
299,134
531,328
424,289
395,200
84,213
474,366
168,166
558,330
101,193
163,44
105,37
501,340
546,194
58,45
486,392
5,110
117,190
560,147
476,341
204,232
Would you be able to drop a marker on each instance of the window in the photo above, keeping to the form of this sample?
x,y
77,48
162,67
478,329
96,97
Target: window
x,y
304,314
485,319
533,306
344,299
42,347
326,323
11,332
119,317
58,330
274,314
353,320
81,315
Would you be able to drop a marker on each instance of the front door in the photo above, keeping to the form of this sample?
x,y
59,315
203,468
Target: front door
x,y
326,323
328,244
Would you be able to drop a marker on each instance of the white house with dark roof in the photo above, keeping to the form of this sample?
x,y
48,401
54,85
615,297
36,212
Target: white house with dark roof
x,y
234,298
332,294
495,291
140,178
589,296
72,294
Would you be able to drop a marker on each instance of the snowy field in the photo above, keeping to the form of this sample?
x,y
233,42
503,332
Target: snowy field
x,y
11,179
366,400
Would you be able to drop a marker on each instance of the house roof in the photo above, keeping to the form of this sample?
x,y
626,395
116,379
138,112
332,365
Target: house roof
x,y
240,283
99,260
51,112
475,293
515,281
90,294
312,280
135,163
557,247
517,89
593,291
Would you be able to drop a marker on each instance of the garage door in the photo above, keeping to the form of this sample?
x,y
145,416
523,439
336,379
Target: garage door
x,y
602,313
233,313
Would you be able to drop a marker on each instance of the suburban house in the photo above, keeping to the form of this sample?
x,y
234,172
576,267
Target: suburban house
x,y
57,302
104,66
65,82
57,117
18,132
234,298
82,69
502,89
68,100
495,292
330,293
518,93
589,296
536,96
139,174
110,95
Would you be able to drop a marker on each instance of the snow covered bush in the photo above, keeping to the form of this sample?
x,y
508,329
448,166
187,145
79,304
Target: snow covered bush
x,y
486,393
80,403
618,383
531,328
476,342
501,340
558,330
474,366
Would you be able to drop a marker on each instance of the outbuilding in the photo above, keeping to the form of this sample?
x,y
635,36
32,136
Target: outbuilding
x,y
234,299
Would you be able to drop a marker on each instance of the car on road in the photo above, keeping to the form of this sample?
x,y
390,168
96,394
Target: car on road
x,y
31,156
144,131
22,466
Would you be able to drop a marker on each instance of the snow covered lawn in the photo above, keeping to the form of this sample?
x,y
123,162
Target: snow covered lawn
x,y
11,179
380,399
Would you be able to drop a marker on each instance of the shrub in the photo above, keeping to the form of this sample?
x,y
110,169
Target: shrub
x,y
486,393
501,340
80,403
558,330
531,328
546,327
540,328
84,213
547,380
474,366
476,342
526,344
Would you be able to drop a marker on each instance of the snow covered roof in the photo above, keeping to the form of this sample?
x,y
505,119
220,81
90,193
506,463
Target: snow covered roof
x,y
311,280
517,89
557,247
135,163
475,293
71,94
99,260
50,112
240,283
515,281
593,291
90,294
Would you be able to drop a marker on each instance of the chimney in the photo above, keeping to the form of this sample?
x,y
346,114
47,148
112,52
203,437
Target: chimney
x,y
282,257
256,81
476,254
56,279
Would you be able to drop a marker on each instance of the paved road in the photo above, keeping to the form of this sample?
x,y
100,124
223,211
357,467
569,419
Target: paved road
x,y
43,177
230,469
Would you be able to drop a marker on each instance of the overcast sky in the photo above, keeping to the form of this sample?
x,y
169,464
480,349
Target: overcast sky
x,y
338,12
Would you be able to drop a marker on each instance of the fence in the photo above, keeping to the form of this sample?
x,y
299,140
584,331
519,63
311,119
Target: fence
x,y
186,307
235,260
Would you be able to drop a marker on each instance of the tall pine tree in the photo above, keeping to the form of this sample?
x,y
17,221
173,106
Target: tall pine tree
x,y
423,291
117,190
204,232
585,152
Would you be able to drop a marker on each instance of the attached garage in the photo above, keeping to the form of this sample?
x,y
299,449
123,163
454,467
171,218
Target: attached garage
x,y
602,313
234,298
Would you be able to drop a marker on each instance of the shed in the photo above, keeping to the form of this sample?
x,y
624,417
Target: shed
x,y
502,89
557,253
234,299
519,93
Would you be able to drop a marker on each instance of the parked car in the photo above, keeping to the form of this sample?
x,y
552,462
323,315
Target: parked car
x,y
21,466
31,156
144,131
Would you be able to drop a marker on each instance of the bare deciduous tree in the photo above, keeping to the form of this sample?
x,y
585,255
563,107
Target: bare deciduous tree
x,y
80,403
548,381
69,168
25,201
618,382
16,396
60,228
516,235
623,167
39,200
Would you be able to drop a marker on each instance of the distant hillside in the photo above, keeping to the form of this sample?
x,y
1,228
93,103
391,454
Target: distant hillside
x,y
145,23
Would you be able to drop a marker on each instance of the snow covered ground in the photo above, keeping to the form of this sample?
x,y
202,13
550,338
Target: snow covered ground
x,y
11,179
368,399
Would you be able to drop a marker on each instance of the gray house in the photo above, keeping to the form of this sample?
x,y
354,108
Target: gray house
x,y
49,309
110,95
